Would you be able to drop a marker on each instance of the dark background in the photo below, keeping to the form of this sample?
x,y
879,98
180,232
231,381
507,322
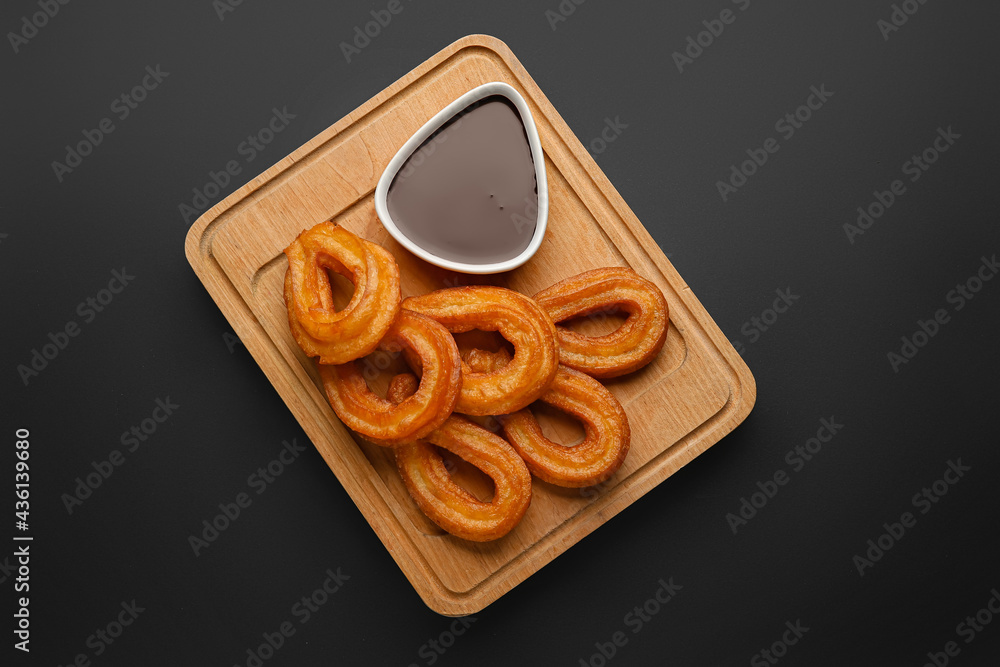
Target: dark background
x,y
825,357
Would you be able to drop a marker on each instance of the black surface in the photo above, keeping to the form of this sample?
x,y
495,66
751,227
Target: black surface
x,y
825,357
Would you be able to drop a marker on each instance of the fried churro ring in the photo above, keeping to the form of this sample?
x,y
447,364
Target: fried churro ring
x,y
446,503
337,337
518,319
632,345
603,449
382,421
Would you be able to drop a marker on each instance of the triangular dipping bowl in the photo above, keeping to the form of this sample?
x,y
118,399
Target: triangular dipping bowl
x,y
431,126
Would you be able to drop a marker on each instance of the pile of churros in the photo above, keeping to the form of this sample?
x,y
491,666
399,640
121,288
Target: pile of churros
x,y
423,409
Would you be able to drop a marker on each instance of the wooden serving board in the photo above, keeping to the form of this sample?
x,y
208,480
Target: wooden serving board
x,y
695,392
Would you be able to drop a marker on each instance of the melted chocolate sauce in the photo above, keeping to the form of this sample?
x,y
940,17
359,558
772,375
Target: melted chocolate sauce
x,y
468,194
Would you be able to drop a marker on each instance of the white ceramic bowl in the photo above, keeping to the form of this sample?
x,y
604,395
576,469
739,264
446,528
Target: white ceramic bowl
x,y
414,142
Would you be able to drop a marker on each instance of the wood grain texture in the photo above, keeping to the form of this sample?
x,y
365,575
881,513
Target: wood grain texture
x,y
695,392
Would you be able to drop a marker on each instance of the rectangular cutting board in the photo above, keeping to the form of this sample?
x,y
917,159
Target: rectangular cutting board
x,y
695,392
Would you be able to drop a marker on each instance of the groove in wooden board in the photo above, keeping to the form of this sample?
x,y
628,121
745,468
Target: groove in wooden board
x,y
271,312
282,196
